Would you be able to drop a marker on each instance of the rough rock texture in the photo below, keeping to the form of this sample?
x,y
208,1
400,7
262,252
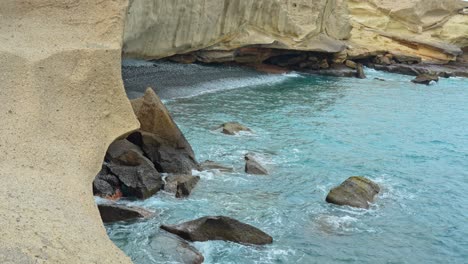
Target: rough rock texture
x,y
232,128
430,29
62,104
176,250
159,28
181,185
252,166
160,137
425,79
219,228
116,212
356,191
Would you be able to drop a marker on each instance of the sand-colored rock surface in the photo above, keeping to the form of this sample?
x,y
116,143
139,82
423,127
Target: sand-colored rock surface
x,y
160,28
431,29
62,104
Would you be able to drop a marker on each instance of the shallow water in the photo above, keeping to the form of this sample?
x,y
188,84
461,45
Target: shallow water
x,y
313,132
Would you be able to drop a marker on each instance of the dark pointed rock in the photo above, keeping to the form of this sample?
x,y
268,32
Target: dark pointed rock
x,y
181,185
115,212
219,228
252,166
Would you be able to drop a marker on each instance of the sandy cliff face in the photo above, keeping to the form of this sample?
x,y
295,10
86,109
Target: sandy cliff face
x,y
431,29
161,28
62,104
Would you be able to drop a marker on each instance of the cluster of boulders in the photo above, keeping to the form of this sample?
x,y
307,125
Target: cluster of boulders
x,y
133,166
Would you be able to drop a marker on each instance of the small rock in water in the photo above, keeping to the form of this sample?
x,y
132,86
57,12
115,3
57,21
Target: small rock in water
x,y
252,166
232,128
175,250
219,228
211,165
181,185
356,191
114,213
360,71
425,79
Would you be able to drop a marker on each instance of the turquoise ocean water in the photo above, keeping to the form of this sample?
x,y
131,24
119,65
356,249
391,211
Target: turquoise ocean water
x,y
313,132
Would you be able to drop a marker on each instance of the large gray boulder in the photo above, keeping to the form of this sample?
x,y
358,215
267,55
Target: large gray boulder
x,y
219,228
114,212
181,185
174,250
356,191
160,137
252,166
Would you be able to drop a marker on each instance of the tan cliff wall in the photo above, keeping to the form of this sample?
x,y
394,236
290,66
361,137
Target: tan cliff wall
x,y
161,28
62,104
431,29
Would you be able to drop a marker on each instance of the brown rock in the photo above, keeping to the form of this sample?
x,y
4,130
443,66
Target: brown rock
x,y
114,213
160,137
350,64
232,128
406,58
219,228
181,185
356,191
360,71
426,79
324,64
252,166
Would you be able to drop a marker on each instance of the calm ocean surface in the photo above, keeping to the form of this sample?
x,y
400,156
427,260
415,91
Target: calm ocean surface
x,y
313,132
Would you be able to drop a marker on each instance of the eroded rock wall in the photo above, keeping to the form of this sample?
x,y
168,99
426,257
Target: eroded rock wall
x,y
431,29
62,103
161,28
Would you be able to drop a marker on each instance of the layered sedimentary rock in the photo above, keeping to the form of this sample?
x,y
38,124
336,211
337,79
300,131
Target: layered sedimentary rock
x,y
161,28
216,29
431,29
62,104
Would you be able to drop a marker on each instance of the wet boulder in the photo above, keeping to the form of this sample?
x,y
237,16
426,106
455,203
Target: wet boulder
x,y
232,128
252,166
114,212
360,71
174,250
181,185
219,228
106,185
425,79
160,137
356,191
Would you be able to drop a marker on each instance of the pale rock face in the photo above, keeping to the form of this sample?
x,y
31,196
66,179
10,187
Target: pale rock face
x,y
62,104
431,29
161,28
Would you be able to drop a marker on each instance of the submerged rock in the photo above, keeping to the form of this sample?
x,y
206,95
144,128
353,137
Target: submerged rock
x,y
160,137
211,165
356,191
219,228
232,128
115,212
425,79
252,166
175,250
181,185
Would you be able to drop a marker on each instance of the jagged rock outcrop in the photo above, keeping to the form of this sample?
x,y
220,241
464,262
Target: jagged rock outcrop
x,y
158,28
62,104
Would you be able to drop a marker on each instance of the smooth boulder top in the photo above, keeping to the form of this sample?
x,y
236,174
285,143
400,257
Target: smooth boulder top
x,y
252,166
115,212
232,128
356,191
219,228
175,250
